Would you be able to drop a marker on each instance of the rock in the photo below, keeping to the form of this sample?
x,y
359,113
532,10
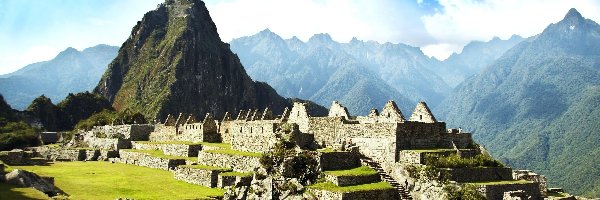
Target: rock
x,y
29,179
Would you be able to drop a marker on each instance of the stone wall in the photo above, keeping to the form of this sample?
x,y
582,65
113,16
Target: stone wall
x,y
337,110
185,150
481,174
61,154
204,177
461,140
530,176
496,192
107,143
338,160
145,160
254,136
225,132
380,149
360,195
235,162
163,133
416,157
352,180
422,114
299,115
129,132
225,181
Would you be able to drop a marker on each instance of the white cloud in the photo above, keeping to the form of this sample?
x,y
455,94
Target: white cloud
x,y
462,21
31,55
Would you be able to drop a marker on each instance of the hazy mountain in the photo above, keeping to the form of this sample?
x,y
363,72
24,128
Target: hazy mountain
x,y
174,62
538,106
474,57
360,74
70,71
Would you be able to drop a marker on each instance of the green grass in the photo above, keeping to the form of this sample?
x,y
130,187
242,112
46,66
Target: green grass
x,y
220,145
501,182
430,150
329,186
160,154
234,152
8,191
359,171
103,180
326,150
557,194
240,174
205,167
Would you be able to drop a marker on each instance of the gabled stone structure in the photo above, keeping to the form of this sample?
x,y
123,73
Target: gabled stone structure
x,y
391,113
187,130
422,114
338,110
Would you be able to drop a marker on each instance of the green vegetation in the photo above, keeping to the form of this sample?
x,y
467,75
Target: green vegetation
x,y
160,154
240,174
285,161
220,145
234,152
205,167
556,194
16,135
431,150
107,117
329,186
8,191
466,192
359,171
455,161
103,180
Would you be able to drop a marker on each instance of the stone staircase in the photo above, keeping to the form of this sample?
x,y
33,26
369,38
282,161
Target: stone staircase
x,y
402,192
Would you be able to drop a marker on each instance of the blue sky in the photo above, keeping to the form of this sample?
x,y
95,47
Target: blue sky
x,y
37,30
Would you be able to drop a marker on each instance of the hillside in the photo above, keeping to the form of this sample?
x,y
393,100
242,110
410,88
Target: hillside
x,y
174,62
538,105
70,71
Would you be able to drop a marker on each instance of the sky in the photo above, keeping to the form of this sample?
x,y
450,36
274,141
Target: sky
x,y
37,30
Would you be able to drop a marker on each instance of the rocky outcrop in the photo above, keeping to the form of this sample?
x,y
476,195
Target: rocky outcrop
x,y
175,62
28,179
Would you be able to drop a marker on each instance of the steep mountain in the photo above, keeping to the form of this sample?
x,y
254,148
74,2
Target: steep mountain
x,y
474,57
360,74
70,71
538,105
174,62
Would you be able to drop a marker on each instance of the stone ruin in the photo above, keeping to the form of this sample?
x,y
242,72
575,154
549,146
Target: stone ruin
x,y
384,138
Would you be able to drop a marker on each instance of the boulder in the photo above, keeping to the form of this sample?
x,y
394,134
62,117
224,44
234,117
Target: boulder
x,y
29,179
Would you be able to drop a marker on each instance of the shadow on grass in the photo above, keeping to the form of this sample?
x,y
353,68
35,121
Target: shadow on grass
x,y
8,191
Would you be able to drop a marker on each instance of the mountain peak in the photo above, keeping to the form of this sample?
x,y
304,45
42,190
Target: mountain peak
x,y
573,13
321,37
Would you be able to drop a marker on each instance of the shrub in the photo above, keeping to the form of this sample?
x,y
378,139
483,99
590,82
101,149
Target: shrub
x,y
17,135
466,192
286,161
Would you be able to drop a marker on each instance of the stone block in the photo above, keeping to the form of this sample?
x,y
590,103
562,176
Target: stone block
x,y
225,181
203,177
236,162
482,174
386,194
496,192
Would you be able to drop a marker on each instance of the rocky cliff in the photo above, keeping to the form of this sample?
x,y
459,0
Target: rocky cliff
x,y
175,62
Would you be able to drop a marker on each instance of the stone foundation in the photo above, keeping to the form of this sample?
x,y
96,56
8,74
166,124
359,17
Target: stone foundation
x,y
235,162
496,192
145,160
352,180
463,175
387,194
185,150
338,160
204,177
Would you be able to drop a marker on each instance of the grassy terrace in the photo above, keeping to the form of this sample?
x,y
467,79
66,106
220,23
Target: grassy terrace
x,y
160,154
205,167
234,152
431,150
329,186
359,171
502,182
103,180
8,191
240,174
220,145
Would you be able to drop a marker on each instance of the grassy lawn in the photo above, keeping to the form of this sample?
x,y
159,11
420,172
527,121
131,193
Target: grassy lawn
x,y
8,191
205,167
501,182
233,173
160,154
220,145
329,186
103,180
359,171
234,152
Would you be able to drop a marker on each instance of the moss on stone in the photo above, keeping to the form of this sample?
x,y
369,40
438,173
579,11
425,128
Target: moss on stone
x,y
234,152
329,186
359,171
233,173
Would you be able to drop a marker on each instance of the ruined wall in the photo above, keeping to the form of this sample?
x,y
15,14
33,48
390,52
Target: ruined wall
x,y
203,177
130,131
362,195
299,115
530,176
338,160
185,150
225,181
337,110
254,136
107,143
480,174
235,162
325,129
145,160
352,180
225,132
419,135
461,140
163,133
496,192
380,149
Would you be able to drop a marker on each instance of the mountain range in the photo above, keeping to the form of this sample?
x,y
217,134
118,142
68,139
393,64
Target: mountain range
x,y
538,105
71,71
